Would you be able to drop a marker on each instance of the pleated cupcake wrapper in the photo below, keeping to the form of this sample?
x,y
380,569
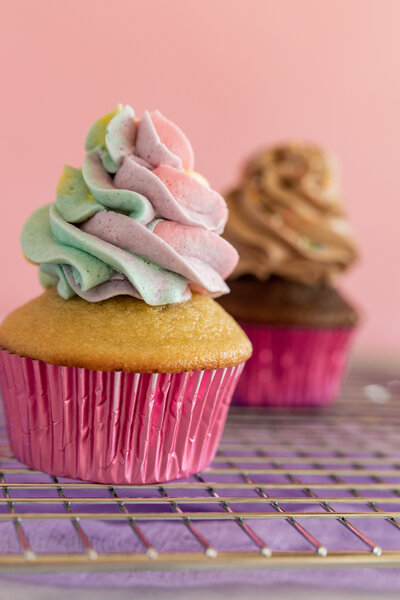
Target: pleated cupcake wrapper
x,y
114,427
293,366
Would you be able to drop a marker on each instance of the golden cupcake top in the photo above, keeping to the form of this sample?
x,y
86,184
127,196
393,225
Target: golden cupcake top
x,y
286,216
125,334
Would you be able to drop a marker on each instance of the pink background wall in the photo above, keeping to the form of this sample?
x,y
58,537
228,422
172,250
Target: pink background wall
x,y
235,74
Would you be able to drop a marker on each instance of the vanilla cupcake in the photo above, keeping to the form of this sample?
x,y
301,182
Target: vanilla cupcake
x,y
287,222
123,370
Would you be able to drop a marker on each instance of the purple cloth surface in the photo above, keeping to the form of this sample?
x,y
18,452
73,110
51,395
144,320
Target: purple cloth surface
x,y
381,580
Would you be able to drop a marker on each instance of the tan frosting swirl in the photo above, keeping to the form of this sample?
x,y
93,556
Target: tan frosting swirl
x,y
286,218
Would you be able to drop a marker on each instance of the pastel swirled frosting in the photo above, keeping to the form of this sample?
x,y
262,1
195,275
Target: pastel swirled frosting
x,y
286,218
135,220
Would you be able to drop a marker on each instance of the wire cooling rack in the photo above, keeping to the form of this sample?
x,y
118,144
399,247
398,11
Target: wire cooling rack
x,y
287,489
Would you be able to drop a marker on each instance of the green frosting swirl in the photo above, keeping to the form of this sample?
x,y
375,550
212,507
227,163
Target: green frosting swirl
x,y
101,186
40,244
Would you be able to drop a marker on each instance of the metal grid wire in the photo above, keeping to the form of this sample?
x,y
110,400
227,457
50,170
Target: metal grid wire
x,y
287,489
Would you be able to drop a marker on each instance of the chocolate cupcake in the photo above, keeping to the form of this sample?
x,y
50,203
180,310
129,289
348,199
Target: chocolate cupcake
x,y
287,222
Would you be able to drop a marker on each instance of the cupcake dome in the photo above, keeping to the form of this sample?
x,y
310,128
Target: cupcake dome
x,y
125,334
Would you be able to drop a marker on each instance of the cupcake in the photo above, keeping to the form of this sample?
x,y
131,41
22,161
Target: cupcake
x,y
122,371
287,222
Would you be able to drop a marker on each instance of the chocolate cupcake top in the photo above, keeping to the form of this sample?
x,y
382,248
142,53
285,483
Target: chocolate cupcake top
x,y
286,216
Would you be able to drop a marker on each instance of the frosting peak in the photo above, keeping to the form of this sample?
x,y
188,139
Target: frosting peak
x,y
286,218
136,219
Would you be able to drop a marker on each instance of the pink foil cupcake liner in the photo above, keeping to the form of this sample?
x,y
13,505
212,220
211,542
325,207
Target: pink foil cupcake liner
x,y
293,366
114,427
